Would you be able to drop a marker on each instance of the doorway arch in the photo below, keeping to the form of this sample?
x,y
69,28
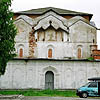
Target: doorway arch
x,y
49,80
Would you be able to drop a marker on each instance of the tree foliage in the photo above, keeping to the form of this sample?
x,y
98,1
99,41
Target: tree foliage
x,y
7,34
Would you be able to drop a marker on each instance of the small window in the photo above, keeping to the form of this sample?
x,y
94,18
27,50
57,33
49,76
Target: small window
x,y
50,53
21,52
93,40
93,84
79,53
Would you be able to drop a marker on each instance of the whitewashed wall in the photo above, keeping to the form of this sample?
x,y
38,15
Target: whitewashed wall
x,y
22,74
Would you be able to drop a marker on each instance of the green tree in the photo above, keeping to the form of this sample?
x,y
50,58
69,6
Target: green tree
x,y
7,34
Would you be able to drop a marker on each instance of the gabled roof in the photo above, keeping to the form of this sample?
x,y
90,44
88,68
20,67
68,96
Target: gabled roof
x,y
59,11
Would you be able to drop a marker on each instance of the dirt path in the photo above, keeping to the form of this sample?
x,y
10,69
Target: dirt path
x,y
20,97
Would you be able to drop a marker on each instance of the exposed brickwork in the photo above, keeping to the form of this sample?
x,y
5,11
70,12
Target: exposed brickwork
x,y
35,16
68,17
32,44
15,16
96,54
96,57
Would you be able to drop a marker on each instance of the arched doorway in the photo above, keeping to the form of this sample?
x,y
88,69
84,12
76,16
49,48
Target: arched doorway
x,y
49,80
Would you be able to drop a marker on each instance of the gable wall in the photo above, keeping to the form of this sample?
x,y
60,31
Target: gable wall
x,y
81,32
22,37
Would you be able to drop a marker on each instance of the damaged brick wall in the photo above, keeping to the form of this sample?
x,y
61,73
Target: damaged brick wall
x,y
32,44
95,52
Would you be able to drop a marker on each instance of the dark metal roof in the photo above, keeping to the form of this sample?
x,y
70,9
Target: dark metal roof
x,y
94,79
59,11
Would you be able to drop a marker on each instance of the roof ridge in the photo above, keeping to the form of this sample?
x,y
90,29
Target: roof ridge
x,y
59,11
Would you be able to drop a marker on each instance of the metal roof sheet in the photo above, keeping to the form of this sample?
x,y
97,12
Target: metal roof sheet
x,y
56,10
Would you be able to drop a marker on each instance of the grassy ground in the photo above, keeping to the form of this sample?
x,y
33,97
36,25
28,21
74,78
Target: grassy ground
x,y
67,93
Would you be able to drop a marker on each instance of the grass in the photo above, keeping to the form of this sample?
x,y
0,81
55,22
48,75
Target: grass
x,y
67,93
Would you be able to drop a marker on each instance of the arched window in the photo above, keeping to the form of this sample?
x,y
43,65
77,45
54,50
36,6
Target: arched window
x,y
79,53
21,52
50,53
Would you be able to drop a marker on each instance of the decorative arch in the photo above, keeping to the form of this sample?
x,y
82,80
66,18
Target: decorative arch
x,y
17,77
69,78
82,79
50,20
52,69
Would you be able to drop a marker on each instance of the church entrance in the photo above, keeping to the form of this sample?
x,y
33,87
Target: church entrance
x,y
49,80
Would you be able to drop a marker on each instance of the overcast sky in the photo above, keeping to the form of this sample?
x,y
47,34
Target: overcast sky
x,y
87,6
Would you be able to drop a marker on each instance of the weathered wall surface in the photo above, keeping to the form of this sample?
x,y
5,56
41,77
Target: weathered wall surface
x,y
82,32
51,31
22,74
62,50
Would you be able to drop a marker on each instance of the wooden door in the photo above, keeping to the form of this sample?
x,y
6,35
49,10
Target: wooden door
x,y
49,80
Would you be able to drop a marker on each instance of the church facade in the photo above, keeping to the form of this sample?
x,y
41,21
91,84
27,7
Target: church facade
x,y
53,48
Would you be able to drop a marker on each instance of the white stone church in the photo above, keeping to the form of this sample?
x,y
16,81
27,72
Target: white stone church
x,y
53,46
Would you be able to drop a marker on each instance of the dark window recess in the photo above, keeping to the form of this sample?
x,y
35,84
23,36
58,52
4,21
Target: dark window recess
x,y
93,40
93,84
43,39
67,39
